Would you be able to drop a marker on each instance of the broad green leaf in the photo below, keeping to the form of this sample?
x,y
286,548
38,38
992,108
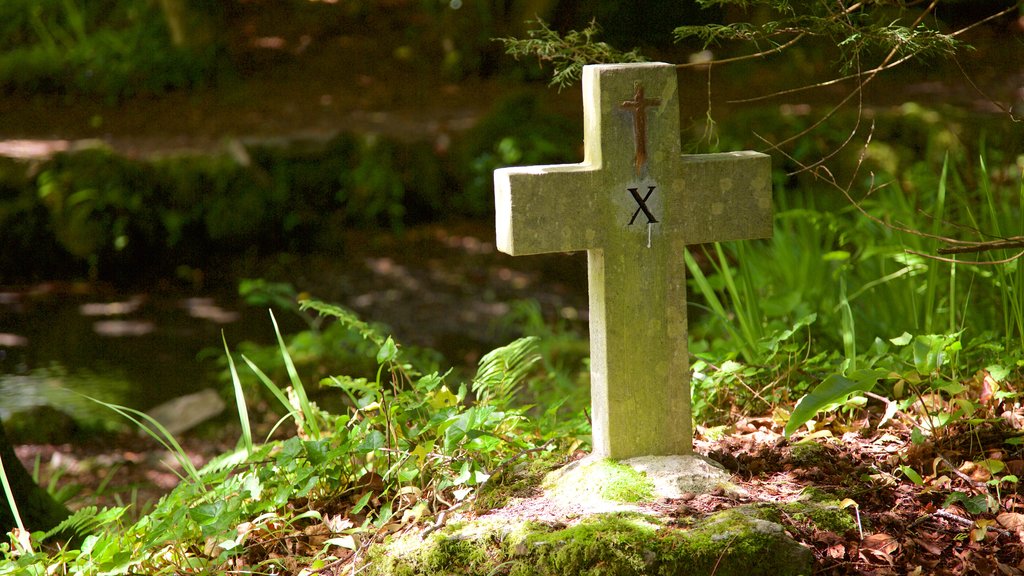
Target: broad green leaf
x,y
421,452
911,475
361,503
992,465
902,340
346,541
443,398
373,441
917,436
387,352
831,390
930,352
997,372
317,451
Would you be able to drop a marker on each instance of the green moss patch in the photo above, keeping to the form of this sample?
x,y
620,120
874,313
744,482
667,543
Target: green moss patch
x,y
604,479
734,542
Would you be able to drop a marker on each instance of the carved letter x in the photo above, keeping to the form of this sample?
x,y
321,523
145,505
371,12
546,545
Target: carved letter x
x,y
642,205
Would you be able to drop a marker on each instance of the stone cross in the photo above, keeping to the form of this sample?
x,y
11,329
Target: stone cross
x,y
634,204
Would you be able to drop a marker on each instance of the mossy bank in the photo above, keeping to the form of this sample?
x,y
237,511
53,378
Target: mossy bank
x,y
614,525
739,541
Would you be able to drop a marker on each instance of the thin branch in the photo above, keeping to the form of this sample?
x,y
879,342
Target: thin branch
x,y
885,65
761,54
1002,108
967,262
1015,242
832,182
860,87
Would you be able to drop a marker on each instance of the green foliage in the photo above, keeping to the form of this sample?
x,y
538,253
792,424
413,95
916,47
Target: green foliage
x,y
853,36
94,211
569,53
334,340
407,446
519,131
861,32
857,282
558,391
108,48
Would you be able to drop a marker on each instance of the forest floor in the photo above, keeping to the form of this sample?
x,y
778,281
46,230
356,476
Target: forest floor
x,y
903,527
907,528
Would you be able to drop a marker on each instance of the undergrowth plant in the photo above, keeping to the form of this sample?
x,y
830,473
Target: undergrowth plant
x,y
408,446
855,291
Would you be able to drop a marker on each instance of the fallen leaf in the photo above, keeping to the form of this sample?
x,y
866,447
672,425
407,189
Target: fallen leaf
x,y
346,541
881,546
1011,521
836,551
1009,570
881,542
980,529
935,547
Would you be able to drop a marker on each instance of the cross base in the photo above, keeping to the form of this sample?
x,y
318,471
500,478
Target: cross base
x,y
586,481
674,476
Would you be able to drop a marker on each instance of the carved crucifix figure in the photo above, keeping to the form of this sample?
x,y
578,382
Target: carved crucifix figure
x,y
634,173
638,107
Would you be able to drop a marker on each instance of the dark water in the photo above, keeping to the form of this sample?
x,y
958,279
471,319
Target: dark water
x,y
135,349
441,287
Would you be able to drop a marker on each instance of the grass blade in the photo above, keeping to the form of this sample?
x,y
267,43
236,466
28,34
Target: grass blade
x,y
269,384
10,497
312,428
243,411
156,431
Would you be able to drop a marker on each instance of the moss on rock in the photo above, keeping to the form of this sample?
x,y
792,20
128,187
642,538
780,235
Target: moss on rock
x,y
824,513
601,478
734,542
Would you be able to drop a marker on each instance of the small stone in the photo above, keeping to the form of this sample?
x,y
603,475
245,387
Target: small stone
x,y
186,412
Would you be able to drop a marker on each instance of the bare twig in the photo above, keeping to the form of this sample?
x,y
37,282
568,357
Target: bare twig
x,y
1014,242
967,262
761,54
885,65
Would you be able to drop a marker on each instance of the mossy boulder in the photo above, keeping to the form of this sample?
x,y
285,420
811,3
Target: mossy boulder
x,y
734,542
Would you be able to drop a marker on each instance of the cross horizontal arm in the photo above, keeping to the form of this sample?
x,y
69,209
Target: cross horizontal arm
x,y
541,209
728,196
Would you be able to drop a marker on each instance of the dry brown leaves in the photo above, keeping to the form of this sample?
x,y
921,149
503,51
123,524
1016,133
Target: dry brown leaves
x,y
908,525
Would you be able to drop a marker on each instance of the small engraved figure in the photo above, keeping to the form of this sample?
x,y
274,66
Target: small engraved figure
x,y
638,108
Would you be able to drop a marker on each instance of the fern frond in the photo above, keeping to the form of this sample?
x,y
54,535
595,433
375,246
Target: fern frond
x,y
502,371
347,318
86,521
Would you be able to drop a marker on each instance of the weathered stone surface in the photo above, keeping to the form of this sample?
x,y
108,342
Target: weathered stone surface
x,y
634,204
674,476
732,543
582,524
